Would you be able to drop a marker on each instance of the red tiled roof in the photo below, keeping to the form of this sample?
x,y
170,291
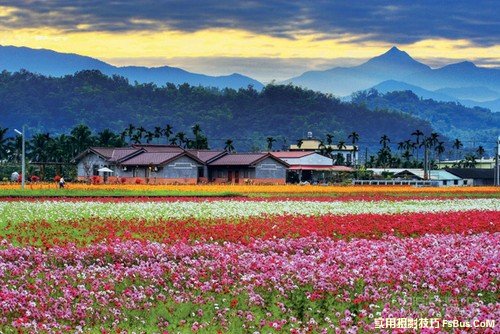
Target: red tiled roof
x,y
152,148
120,153
205,155
148,158
238,159
291,154
106,152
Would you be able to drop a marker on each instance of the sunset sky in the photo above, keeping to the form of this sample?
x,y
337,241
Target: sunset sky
x,y
263,39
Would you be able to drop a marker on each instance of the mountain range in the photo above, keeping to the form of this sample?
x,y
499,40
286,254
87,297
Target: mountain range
x,y
51,63
394,70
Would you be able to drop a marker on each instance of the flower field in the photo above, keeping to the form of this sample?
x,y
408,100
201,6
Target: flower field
x,y
250,265
83,190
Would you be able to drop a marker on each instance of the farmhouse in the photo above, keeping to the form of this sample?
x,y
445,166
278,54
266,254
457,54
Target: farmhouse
x,y
309,166
248,168
167,164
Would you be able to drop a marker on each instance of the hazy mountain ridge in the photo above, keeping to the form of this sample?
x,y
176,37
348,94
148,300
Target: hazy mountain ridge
x,y
51,63
444,95
453,80
472,125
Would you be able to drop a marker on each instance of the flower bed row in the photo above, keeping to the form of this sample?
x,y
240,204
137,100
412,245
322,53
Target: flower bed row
x,y
82,232
140,199
262,189
52,211
285,285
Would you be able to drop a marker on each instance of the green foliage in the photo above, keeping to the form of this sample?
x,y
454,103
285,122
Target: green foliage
x,y
57,105
450,119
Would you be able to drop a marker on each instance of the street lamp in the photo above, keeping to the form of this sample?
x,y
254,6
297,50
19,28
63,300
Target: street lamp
x,y
23,167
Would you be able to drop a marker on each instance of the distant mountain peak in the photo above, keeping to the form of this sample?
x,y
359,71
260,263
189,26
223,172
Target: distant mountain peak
x,y
464,64
395,54
394,61
395,50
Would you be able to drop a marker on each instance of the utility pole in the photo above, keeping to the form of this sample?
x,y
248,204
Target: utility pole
x,y
497,165
23,167
426,163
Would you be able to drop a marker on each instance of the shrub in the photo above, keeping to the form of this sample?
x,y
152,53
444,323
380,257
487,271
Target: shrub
x,y
34,178
57,178
138,181
123,180
96,179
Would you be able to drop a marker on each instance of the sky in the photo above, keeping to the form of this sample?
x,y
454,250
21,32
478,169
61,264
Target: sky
x,y
273,39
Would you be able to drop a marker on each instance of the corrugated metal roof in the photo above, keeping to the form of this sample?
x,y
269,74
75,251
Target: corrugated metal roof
x,y
435,174
153,148
148,158
238,159
205,155
289,154
473,173
106,152
120,153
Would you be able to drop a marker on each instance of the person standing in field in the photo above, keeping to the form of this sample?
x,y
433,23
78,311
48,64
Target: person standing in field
x,y
61,182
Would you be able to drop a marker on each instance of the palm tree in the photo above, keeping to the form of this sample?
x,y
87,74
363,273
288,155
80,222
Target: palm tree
x,y
270,141
149,136
417,133
457,144
384,140
329,138
181,136
82,138
401,146
407,155
354,137
439,148
168,131
14,148
106,138
470,161
341,145
136,138
129,131
158,132
480,151
229,146
3,144
38,150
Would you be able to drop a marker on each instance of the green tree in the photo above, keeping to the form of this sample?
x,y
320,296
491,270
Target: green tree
x,y
4,141
384,140
457,145
229,146
480,151
270,141
354,137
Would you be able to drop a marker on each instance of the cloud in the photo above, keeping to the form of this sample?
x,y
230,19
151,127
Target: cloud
x,y
401,22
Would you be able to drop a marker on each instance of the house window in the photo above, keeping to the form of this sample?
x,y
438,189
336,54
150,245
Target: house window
x,y
182,165
220,173
455,182
245,174
269,167
201,172
135,172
